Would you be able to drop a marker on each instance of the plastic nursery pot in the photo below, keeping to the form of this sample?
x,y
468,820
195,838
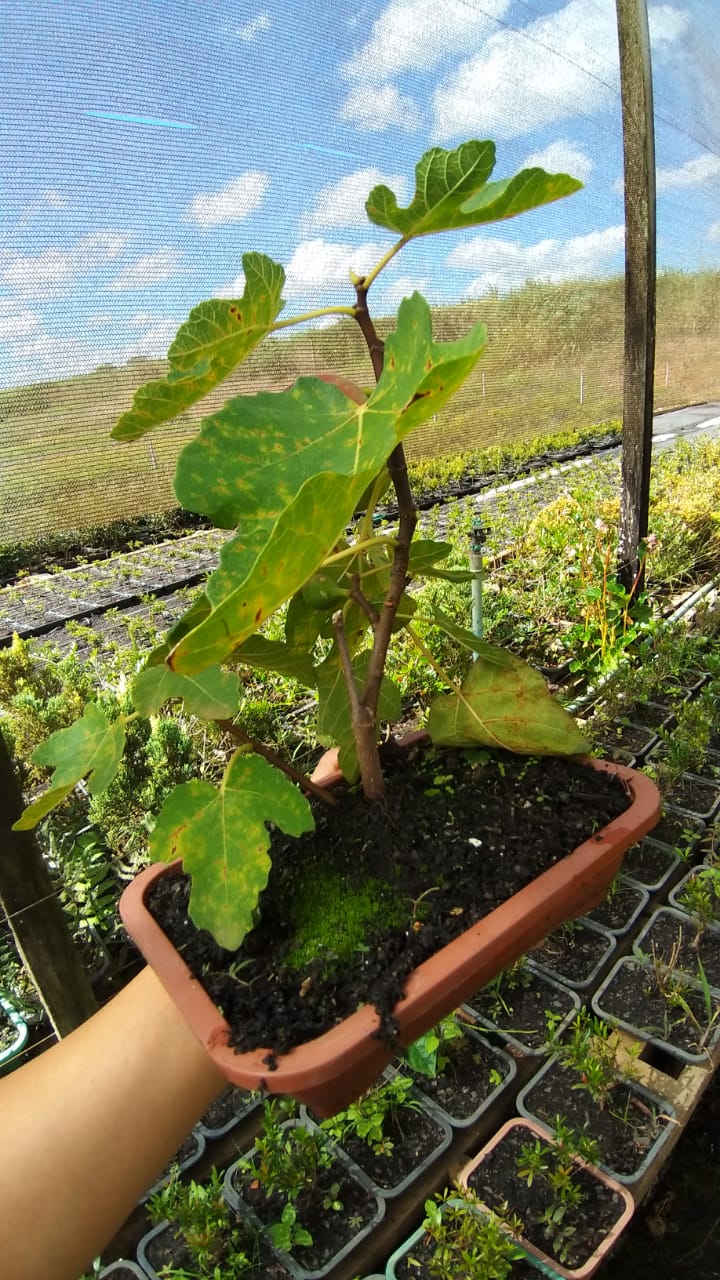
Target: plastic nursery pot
x,y
549,996
529,1132
19,1031
361,1155
677,938
191,1151
484,1104
407,1246
581,971
648,1102
233,1105
328,1072
619,915
652,865
612,1004
288,1260
123,1270
675,896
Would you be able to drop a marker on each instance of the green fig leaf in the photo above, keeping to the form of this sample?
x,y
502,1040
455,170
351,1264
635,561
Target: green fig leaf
x,y
492,653
91,748
452,191
223,840
197,612
214,340
211,695
291,466
505,705
272,655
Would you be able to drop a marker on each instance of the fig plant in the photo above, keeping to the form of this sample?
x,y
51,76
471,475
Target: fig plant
x,y
287,472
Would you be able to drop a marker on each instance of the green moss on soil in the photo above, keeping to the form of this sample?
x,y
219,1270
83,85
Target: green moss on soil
x,y
334,919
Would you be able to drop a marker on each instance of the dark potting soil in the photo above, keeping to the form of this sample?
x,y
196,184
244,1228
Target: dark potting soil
x,y
684,944
449,852
168,1250
232,1102
413,1136
650,863
470,1076
625,1124
331,1229
416,1265
498,1185
694,794
616,911
681,1021
520,1010
573,952
679,830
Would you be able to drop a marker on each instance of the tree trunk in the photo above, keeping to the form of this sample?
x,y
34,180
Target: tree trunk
x,y
35,917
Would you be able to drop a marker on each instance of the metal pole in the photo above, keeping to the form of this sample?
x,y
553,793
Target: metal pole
x,y
477,540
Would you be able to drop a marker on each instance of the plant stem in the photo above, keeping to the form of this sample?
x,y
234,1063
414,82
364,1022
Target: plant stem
x,y
364,717
313,315
260,749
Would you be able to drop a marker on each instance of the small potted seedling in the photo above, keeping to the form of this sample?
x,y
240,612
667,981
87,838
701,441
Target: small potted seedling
x,y
459,1070
583,1079
297,476
390,1133
572,1213
312,1203
195,1232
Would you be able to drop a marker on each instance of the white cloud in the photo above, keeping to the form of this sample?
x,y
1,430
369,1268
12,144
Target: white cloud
x,y
153,268
342,204
561,156
235,289
54,266
17,322
693,173
232,203
505,264
376,107
547,71
100,320
255,26
714,231
317,265
54,198
410,35
403,287
419,34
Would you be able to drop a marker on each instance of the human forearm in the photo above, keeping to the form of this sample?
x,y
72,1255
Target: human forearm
x,y
89,1125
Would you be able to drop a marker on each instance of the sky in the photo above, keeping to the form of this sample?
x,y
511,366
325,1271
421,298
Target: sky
x,y
145,145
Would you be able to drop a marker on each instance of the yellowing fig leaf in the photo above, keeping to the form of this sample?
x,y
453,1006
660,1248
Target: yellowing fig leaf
x,y
214,340
505,705
290,467
492,653
92,748
223,840
211,695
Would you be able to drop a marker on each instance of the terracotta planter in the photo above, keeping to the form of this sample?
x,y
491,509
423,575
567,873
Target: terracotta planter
x,y
626,1205
330,1071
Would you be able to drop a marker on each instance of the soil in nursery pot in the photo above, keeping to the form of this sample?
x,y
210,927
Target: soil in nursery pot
x,y
618,908
625,1125
634,996
694,794
450,841
684,944
496,1182
231,1102
520,1008
331,1229
412,1137
168,1250
572,952
470,1076
649,863
679,830
417,1266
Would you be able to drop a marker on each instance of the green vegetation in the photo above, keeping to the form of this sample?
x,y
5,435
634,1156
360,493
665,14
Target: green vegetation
x,y
58,474
287,470
333,918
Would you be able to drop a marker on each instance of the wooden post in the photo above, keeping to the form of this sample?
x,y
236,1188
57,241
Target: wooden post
x,y
30,902
639,150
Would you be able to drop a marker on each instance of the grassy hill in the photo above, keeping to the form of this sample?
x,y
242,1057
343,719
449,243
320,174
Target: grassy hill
x,y
60,471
